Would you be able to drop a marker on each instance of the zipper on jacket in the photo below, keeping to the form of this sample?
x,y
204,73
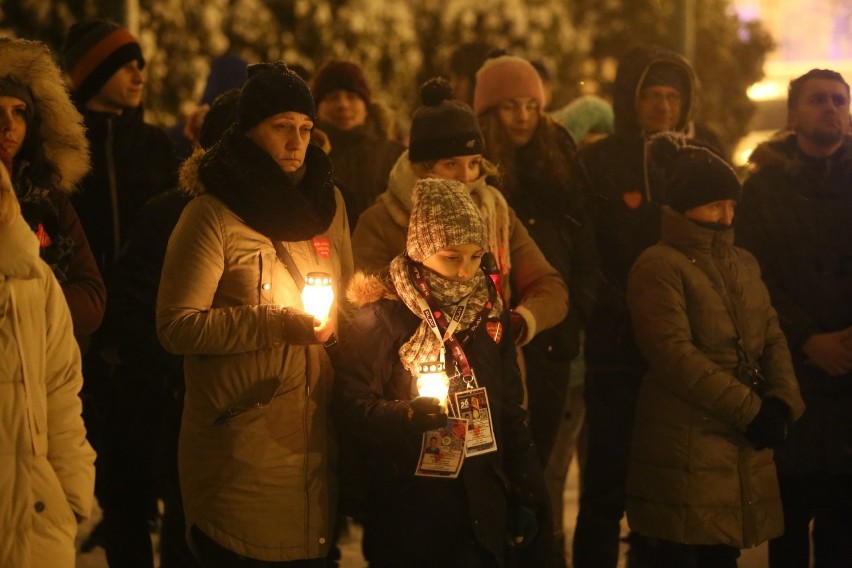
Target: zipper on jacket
x,y
113,190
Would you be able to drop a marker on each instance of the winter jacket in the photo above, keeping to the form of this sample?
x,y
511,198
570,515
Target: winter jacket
x,y
623,208
262,481
47,474
131,162
794,217
362,158
693,477
534,288
405,514
45,204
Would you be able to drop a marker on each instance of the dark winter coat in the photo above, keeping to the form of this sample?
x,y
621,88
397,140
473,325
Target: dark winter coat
x,y
794,216
404,515
556,220
45,202
131,162
693,477
624,209
362,160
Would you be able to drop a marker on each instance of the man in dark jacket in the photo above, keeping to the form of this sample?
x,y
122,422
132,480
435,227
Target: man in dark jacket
x,y
358,128
654,92
794,216
131,162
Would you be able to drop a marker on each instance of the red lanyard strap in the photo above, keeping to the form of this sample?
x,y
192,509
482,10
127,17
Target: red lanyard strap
x,y
436,318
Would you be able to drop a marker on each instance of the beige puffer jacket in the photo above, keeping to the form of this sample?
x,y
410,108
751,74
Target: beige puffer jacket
x,y
262,485
693,477
47,472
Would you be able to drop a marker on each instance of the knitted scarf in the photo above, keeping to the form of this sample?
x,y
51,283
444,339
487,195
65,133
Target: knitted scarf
x,y
275,204
423,345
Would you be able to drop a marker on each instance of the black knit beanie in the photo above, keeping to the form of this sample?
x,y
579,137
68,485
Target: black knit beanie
x,y
443,127
693,176
341,76
220,117
271,89
93,51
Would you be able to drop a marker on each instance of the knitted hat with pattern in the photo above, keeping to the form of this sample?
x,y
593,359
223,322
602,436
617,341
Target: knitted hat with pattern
x,y
93,51
506,77
443,215
443,127
271,89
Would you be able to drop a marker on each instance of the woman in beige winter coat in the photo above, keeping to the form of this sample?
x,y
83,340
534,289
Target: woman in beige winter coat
x,y
720,391
47,471
256,452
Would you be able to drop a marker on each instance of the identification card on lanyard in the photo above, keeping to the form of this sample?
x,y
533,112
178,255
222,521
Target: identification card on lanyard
x,y
473,406
442,451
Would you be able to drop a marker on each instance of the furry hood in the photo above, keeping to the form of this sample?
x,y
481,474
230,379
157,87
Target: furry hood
x,y
780,152
62,129
188,177
366,288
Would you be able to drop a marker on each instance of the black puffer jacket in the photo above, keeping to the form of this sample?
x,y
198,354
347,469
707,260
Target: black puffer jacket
x,y
131,162
623,207
794,217
405,514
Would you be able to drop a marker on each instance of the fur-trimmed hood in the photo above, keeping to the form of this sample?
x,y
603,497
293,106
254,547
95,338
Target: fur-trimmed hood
x,y
188,176
368,288
781,153
61,125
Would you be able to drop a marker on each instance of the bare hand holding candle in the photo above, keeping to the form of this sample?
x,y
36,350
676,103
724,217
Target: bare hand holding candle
x,y
317,299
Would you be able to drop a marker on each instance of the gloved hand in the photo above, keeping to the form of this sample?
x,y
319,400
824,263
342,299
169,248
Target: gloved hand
x,y
297,327
424,413
769,427
524,527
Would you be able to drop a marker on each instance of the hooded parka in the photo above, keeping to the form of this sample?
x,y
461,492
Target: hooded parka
x,y
47,472
693,477
47,207
261,480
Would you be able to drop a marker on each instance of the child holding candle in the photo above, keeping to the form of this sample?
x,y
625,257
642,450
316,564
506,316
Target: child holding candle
x,y
435,302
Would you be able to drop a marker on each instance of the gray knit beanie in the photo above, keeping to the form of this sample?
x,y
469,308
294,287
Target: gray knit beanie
x,y
443,215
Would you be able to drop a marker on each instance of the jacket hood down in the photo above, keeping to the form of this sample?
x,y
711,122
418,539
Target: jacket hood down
x,y
60,124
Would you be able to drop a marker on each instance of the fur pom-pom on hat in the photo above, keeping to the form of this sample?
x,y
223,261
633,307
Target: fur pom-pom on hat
x,y
443,127
443,215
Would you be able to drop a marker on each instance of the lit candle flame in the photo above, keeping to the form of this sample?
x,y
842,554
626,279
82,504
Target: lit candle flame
x,y
318,295
432,381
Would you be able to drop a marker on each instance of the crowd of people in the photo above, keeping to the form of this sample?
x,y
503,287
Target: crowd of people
x,y
508,287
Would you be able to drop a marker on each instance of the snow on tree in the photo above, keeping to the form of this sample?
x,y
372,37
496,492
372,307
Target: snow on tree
x,y
402,43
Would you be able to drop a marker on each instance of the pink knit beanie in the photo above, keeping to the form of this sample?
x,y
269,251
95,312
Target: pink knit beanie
x,y
506,77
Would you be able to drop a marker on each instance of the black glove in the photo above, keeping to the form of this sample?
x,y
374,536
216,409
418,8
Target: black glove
x,y
769,427
524,527
297,327
424,413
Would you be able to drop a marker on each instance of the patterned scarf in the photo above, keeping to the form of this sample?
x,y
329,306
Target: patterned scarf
x,y
423,345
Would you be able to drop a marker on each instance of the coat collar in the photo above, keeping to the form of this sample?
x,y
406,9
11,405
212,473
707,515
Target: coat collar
x,y
686,235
